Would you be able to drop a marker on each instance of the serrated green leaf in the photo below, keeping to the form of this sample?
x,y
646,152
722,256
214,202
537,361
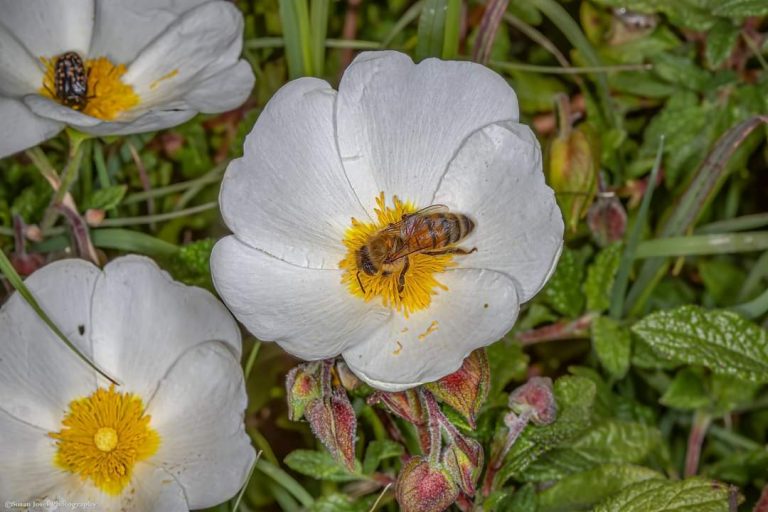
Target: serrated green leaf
x,y
720,42
523,500
563,292
378,451
610,442
613,344
600,276
644,357
687,391
692,495
742,8
319,465
342,503
722,341
581,491
106,198
575,397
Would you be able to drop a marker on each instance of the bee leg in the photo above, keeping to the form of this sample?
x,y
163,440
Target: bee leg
x,y
401,277
360,282
451,250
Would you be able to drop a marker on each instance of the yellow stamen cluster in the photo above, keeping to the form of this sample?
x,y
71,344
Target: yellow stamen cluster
x,y
420,282
103,436
108,96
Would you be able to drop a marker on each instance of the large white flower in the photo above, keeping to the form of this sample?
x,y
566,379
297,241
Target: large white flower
x,y
146,65
169,438
395,138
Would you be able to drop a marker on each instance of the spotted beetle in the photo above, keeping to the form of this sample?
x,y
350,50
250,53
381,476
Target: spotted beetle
x,y
70,81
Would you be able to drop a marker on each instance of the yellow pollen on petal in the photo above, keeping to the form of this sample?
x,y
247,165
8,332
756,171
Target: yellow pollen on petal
x,y
420,282
102,438
106,95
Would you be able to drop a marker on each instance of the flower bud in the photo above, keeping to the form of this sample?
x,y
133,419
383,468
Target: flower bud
x,y
334,423
422,487
607,219
537,397
302,386
461,466
466,389
574,161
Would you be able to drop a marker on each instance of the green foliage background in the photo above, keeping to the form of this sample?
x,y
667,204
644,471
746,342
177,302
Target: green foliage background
x,y
651,337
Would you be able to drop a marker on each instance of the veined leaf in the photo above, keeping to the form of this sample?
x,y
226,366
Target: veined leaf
x,y
692,495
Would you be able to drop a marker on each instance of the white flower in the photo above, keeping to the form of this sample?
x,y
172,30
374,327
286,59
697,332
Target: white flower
x,y
148,65
169,438
433,133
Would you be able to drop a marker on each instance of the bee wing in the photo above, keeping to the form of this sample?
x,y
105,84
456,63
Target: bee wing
x,y
433,208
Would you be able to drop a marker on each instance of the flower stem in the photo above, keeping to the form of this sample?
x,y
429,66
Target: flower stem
x,y
701,421
63,184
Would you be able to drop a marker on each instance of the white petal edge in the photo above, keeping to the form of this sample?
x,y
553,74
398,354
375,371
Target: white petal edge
x,y
21,128
39,375
308,312
50,28
123,29
479,308
198,413
27,453
20,72
152,489
207,36
288,195
402,122
143,321
497,179
224,91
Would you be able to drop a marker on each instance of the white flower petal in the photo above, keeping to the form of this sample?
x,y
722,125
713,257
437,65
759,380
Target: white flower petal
x,y
289,195
20,72
497,179
207,36
39,375
198,413
479,307
147,122
50,28
224,91
143,321
27,453
152,489
21,129
123,29
307,311
402,123
49,109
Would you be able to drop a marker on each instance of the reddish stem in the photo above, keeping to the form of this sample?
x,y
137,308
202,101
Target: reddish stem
x,y
701,422
562,330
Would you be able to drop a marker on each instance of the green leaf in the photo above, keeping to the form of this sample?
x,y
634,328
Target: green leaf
x,y
600,277
692,495
722,341
575,397
610,442
730,392
742,8
612,343
507,362
523,500
106,198
191,264
687,391
319,465
722,280
563,292
581,491
378,451
720,42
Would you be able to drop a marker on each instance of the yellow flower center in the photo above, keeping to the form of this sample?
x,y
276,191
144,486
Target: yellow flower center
x,y
104,96
406,284
103,436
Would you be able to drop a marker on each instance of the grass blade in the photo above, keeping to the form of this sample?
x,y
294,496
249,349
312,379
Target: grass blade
x,y
296,34
318,15
6,267
494,13
285,481
431,29
725,243
627,258
406,19
452,30
705,183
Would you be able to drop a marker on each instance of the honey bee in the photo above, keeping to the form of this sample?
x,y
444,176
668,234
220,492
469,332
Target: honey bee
x,y
432,230
70,81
